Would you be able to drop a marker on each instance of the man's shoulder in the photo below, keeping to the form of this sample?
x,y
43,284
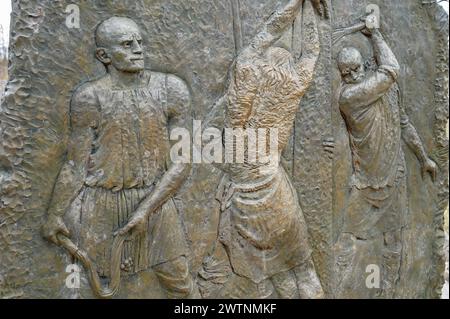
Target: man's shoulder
x,y
173,85
87,92
167,79
84,104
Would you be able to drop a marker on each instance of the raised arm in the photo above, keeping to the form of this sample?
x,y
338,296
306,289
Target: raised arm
x,y
73,172
282,19
375,86
276,25
384,55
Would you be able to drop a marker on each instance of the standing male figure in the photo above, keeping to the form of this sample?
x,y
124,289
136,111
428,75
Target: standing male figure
x,y
262,230
117,173
376,121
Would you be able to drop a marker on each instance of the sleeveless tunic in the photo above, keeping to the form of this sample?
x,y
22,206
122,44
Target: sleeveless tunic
x,y
128,157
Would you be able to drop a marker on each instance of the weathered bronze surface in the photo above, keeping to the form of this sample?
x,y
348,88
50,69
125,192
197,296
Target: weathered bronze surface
x,y
349,105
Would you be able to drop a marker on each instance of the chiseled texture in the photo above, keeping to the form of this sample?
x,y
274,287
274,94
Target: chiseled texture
x,y
194,40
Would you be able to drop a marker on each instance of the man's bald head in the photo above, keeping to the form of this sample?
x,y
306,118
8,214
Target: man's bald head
x,y
349,56
114,28
351,65
119,45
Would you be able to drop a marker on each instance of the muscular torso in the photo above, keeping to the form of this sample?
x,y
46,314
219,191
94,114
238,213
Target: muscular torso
x,y
264,93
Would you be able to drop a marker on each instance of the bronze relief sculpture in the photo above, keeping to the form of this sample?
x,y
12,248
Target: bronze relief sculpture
x,y
371,105
329,177
117,166
262,228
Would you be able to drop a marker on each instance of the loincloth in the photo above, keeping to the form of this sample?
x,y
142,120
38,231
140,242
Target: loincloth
x,y
262,227
97,213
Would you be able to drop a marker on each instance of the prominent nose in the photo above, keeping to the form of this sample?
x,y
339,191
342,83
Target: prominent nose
x,y
137,48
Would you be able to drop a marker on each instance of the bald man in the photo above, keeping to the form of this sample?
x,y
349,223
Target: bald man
x,y
117,157
377,122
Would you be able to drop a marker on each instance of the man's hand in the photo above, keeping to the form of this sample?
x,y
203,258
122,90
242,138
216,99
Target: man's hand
x,y
53,227
430,167
321,7
367,32
369,21
137,223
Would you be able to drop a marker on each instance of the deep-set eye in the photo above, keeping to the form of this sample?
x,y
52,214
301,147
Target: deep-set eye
x,y
127,44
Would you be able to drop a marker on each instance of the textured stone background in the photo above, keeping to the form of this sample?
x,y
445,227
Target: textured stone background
x,y
3,58
194,40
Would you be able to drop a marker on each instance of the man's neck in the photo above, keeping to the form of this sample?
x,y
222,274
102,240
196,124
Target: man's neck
x,y
125,80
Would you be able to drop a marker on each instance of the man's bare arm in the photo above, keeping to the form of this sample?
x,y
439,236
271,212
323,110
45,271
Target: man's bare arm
x,y
281,20
375,86
73,172
276,25
169,184
383,53
412,139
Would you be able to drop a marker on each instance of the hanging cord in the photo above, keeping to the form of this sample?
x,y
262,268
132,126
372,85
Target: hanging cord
x,y
94,278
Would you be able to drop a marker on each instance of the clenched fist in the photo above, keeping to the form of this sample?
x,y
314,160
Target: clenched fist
x,y
53,227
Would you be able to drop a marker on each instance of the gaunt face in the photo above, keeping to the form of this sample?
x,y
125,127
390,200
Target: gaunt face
x,y
119,44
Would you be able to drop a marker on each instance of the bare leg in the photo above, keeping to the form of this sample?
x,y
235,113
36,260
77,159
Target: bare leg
x,y
392,255
308,282
285,285
345,251
175,277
